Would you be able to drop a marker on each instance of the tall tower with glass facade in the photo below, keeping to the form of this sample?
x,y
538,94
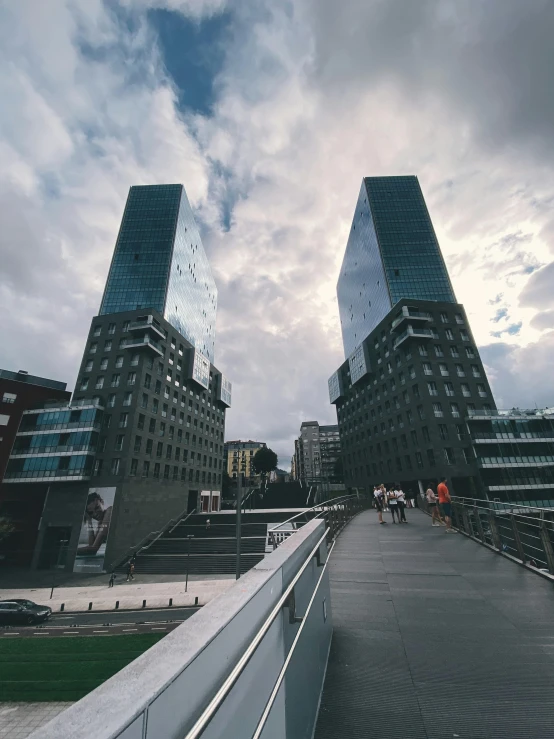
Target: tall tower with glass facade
x,y
159,262
412,375
392,253
143,437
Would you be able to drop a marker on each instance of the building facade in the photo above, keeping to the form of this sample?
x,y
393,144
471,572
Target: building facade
x,y
392,253
142,439
514,451
239,456
412,372
316,452
20,391
159,262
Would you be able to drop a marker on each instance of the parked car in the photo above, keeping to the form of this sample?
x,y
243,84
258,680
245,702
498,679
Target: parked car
x,y
21,611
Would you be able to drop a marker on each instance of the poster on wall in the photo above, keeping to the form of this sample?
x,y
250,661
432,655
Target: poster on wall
x,y
94,531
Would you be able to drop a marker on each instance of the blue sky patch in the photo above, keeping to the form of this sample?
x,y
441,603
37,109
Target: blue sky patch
x,y
193,53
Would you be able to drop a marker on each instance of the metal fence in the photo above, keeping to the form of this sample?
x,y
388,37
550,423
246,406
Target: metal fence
x,y
336,513
525,533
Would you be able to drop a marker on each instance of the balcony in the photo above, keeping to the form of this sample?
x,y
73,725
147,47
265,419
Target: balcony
x,y
409,314
411,332
147,325
543,460
144,342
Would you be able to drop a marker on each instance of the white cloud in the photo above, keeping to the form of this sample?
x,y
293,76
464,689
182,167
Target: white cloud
x,y
312,97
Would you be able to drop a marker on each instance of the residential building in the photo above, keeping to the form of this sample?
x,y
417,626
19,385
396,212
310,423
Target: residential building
x,y
147,419
412,372
316,452
238,458
20,391
514,451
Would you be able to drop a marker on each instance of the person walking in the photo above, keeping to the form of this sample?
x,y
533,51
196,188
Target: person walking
x,y
445,504
112,578
401,503
433,507
393,505
379,502
130,570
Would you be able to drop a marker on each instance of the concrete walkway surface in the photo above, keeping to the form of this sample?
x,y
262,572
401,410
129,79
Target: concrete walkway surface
x,y
129,594
435,637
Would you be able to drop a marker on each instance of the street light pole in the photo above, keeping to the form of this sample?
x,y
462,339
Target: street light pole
x,y
239,513
189,537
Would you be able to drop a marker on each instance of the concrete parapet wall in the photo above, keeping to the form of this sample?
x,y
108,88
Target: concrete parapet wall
x,y
162,693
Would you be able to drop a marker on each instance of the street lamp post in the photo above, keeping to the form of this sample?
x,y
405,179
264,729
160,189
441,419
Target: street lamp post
x,y
189,537
238,531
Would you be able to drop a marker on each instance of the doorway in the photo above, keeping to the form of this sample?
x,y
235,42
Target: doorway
x,y
53,554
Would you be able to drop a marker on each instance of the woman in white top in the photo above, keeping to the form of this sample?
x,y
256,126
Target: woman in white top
x,y
393,505
433,507
401,503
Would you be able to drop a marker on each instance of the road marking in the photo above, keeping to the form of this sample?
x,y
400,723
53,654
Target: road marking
x,y
70,632
105,631
37,633
11,633
158,628
129,629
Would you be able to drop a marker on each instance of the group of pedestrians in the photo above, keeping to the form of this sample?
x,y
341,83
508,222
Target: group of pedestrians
x,y
393,500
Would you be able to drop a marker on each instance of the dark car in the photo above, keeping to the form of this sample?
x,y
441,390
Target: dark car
x,y
21,611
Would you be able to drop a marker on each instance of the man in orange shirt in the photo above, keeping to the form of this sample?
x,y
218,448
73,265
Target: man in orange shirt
x,y
445,504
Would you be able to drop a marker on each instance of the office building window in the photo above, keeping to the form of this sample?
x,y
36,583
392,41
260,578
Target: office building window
x,y
454,352
111,328
115,465
449,335
140,421
127,398
481,390
134,465
119,362
99,382
443,431
131,378
448,455
475,371
123,420
437,410
464,334
115,380
465,390
449,389
427,369
108,345
152,426
421,413
93,347
444,317
97,467
156,469
425,434
455,410
419,460
97,331
431,457
135,360
88,366
166,472
470,353
145,469
432,387
138,442
84,383
438,351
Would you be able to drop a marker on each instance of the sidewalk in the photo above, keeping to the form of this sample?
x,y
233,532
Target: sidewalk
x,y
129,594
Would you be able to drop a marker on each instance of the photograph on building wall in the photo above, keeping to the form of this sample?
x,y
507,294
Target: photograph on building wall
x,y
94,531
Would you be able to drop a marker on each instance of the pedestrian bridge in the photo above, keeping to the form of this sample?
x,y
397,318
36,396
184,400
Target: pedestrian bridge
x,y
433,635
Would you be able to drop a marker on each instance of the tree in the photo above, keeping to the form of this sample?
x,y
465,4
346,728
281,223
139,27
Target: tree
x,y
264,462
6,528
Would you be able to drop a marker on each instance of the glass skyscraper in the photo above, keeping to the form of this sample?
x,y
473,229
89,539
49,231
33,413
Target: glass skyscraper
x,y
392,253
159,262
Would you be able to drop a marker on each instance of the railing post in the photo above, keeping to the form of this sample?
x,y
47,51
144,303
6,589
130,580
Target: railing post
x,y
479,523
519,546
547,544
496,538
467,522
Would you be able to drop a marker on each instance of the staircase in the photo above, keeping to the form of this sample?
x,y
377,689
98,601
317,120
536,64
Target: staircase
x,y
211,550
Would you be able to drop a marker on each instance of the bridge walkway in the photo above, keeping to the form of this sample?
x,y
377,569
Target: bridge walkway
x,y
435,637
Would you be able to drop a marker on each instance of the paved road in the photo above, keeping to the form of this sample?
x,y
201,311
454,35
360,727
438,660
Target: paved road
x,y
435,636
114,622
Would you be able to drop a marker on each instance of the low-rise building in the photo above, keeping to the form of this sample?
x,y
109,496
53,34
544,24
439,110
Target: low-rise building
x,y
238,456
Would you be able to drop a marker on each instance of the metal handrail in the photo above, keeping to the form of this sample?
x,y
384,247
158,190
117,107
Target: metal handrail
x,y
223,691
281,677
508,529
321,505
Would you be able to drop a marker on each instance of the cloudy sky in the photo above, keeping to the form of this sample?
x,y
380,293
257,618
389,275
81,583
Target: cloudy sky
x,y
270,113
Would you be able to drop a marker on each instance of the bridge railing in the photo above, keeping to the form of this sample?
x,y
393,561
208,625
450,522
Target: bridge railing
x,y
251,663
523,533
336,513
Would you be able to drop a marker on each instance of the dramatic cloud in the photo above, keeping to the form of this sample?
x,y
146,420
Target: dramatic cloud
x,y
270,113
